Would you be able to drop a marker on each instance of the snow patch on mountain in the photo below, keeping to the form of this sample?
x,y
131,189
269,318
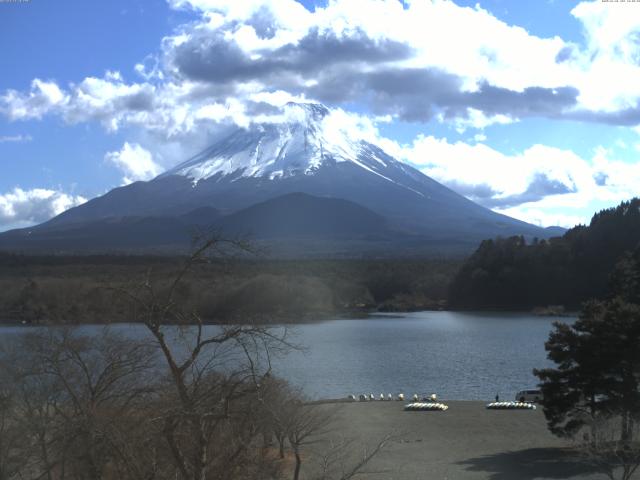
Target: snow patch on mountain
x,y
304,140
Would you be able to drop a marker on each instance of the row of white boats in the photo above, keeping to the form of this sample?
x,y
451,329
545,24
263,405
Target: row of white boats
x,y
511,406
426,407
430,404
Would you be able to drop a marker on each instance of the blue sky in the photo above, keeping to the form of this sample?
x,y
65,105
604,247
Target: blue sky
x,y
66,42
530,108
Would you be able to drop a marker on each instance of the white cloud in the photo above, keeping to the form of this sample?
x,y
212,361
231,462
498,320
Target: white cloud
x,y
26,207
135,162
289,15
38,101
109,100
605,73
215,69
475,119
619,178
478,165
610,66
542,185
278,98
15,138
265,47
491,49
479,137
544,218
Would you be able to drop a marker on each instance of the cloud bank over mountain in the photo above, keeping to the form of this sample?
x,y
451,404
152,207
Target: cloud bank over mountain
x,y
416,61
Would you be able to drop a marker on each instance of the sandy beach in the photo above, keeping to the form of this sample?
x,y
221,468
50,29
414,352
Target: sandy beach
x,y
465,442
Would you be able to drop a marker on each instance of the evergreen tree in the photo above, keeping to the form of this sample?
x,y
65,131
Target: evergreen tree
x,y
595,386
598,369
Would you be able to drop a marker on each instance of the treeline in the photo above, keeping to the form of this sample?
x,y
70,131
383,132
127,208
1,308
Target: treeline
x,y
511,273
53,290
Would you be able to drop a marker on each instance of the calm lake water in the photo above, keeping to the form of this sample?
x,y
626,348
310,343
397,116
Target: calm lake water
x,y
459,356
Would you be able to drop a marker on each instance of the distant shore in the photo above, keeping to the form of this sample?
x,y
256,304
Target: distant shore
x,y
302,319
465,442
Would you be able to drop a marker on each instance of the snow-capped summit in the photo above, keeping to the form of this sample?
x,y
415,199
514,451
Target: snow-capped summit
x,y
305,139
312,111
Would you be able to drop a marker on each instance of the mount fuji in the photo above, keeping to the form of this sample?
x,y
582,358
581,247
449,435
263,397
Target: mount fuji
x,y
301,185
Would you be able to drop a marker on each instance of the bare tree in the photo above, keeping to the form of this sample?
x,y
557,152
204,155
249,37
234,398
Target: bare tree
x,y
212,372
307,429
304,424
604,448
75,401
335,460
11,461
273,397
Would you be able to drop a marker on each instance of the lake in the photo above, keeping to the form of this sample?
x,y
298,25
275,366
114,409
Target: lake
x,y
459,356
